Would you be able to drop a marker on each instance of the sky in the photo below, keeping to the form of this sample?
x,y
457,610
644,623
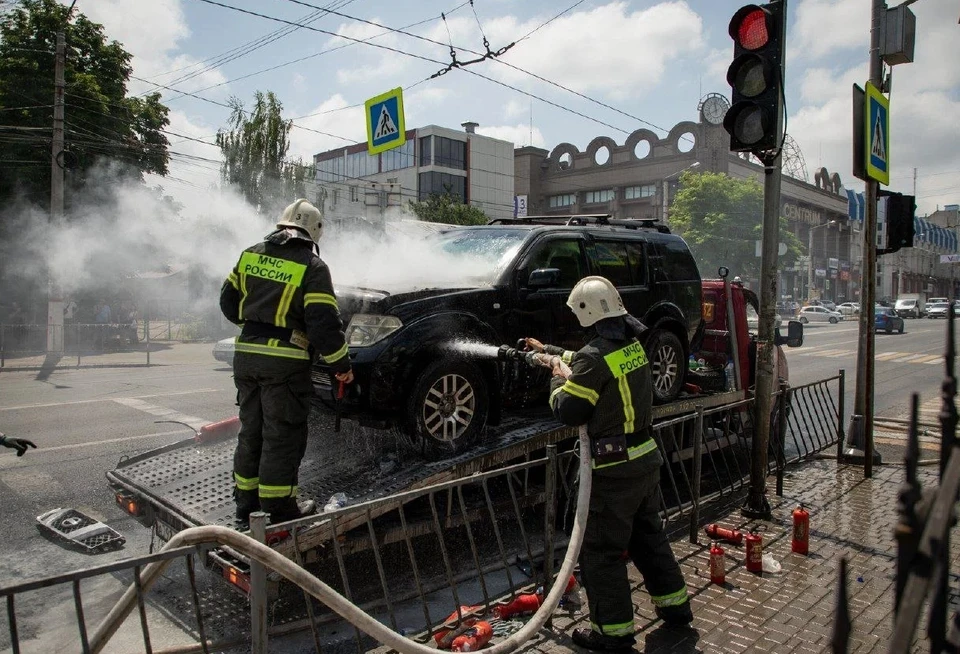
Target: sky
x,y
624,65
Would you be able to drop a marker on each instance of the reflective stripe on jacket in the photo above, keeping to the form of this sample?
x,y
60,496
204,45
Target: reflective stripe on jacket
x,y
282,282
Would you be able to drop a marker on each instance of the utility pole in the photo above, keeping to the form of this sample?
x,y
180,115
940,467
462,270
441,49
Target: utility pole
x,y
863,398
56,160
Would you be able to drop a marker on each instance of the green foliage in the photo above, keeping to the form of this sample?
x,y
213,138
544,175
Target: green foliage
x,y
102,123
254,147
448,209
721,218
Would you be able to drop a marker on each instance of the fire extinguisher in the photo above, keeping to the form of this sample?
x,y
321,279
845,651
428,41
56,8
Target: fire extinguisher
x,y
754,552
801,530
717,532
717,565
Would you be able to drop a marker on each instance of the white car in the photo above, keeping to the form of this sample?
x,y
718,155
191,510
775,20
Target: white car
x,y
937,309
223,350
819,314
849,308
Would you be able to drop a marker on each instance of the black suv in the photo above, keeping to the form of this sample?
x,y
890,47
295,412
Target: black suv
x,y
423,359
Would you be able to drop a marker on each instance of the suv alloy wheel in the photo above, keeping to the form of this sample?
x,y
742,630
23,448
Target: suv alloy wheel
x,y
447,409
665,353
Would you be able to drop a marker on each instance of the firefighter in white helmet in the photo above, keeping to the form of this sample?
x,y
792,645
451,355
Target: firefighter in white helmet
x,y
280,292
610,390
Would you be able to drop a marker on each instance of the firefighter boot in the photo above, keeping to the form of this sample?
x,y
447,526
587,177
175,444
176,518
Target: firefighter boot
x,y
594,640
289,508
247,502
675,616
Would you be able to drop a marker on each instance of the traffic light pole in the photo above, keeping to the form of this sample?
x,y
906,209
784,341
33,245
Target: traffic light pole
x,y
757,505
864,395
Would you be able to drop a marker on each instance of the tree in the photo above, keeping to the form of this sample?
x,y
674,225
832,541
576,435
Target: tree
x,y
254,148
449,209
101,122
721,218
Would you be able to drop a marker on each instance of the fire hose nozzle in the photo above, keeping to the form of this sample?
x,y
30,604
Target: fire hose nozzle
x,y
507,353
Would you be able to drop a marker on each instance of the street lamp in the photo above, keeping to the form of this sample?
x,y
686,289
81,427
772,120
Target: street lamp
x,y
666,187
810,255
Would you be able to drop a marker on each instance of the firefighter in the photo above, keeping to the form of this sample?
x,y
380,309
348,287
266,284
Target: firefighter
x,y
281,294
21,445
610,390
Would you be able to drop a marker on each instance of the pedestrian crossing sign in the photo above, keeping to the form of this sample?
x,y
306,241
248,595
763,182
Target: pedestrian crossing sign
x,y
877,141
385,125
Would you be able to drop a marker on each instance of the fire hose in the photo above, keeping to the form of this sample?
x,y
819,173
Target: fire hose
x,y
318,589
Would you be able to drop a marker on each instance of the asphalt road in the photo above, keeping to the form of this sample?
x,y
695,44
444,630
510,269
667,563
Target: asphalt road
x,y
85,420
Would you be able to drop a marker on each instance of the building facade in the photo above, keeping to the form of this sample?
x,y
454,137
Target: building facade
x,y
476,168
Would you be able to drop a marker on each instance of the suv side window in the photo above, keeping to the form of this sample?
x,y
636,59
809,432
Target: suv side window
x,y
614,262
564,254
638,263
678,263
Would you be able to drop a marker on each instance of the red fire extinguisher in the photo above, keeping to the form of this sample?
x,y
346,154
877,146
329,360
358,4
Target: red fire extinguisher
x,y
717,565
754,552
717,532
801,530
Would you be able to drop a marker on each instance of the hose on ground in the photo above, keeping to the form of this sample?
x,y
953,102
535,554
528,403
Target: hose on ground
x,y
337,602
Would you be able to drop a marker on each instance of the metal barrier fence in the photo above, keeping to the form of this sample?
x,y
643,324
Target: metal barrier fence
x,y
414,560
922,534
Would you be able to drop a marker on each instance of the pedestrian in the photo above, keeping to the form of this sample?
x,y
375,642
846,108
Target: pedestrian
x,y
281,294
610,390
102,313
19,444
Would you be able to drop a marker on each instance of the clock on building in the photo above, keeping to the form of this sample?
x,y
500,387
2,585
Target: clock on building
x,y
713,108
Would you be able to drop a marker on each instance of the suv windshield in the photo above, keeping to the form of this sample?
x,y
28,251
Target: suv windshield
x,y
478,255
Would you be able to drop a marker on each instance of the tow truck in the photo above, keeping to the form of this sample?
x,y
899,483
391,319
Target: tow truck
x,y
190,482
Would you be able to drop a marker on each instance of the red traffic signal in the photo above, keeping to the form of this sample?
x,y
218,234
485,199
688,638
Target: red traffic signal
x,y
749,28
756,78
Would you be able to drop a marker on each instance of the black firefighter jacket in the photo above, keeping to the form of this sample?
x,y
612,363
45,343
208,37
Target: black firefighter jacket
x,y
281,293
611,391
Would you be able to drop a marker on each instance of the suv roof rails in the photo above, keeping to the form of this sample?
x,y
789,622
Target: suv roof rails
x,y
600,219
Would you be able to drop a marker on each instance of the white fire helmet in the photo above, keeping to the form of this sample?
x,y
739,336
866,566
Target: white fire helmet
x,y
304,215
595,298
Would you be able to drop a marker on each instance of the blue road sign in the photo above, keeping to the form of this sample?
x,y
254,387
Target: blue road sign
x,y
385,124
877,141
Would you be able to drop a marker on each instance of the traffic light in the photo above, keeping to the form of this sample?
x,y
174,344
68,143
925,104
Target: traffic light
x,y
754,119
900,210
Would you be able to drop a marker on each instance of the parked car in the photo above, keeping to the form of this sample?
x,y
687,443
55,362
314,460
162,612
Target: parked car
x,y
753,320
936,300
819,314
223,350
828,304
849,308
937,309
886,319
422,355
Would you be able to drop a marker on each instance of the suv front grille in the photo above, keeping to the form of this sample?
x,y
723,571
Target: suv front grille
x,y
320,378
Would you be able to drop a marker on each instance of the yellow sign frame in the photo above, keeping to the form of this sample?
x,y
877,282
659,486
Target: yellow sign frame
x,y
876,108
390,103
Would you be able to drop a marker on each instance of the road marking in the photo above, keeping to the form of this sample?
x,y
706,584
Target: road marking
x,y
821,353
107,399
162,412
841,353
886,356
909,357
929,358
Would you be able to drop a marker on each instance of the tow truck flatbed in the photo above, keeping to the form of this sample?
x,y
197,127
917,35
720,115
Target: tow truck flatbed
x,y
186,483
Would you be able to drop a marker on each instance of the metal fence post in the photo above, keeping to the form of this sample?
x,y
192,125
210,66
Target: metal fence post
x,y
695,481
781,437
146,320
840,434
2,361
550,513
78,344
258,588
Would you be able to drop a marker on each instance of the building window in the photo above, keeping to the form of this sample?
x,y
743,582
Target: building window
x,y
595,197
565,200
637,192
426,150
397,158
434,183
354,195
360,164
450,153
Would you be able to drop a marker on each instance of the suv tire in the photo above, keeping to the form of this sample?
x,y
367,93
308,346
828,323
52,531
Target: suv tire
x,y
447,409
667,363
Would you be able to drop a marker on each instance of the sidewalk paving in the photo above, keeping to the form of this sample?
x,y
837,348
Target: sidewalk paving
x,y
161,353
792,611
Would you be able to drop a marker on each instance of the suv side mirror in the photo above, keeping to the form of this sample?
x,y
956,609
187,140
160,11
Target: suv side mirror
x,y
544,278
794,337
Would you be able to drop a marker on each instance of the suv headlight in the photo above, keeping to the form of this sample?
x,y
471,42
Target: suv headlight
x,y
365,329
